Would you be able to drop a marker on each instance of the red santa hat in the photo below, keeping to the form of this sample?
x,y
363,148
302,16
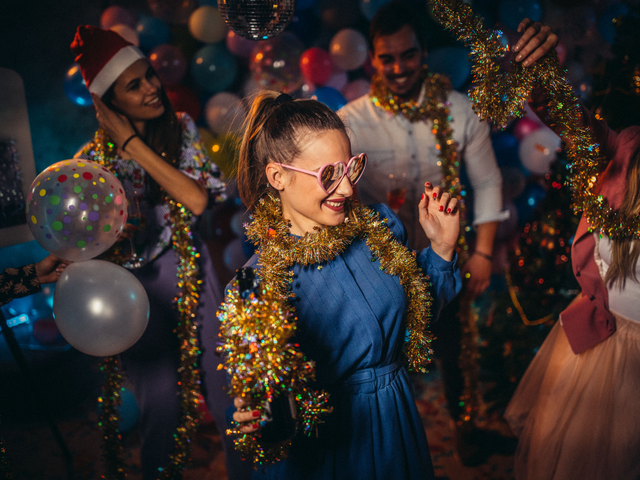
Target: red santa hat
x,y
102,55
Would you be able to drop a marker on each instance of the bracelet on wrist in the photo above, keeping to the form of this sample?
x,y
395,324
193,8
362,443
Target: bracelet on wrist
x,y
126,142
483,255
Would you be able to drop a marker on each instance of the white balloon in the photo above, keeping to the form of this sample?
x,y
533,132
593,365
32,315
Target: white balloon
x,y
100,308
348,49
538,150
207,25
225,113
126,32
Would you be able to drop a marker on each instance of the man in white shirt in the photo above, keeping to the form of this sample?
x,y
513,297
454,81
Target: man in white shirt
x,y
404,152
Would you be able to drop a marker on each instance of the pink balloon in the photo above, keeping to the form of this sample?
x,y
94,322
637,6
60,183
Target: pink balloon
x,y
169,63
524,127
238,45
356,89
117,15
337,80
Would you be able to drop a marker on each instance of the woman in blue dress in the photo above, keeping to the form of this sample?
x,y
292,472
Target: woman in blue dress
x,y
358,292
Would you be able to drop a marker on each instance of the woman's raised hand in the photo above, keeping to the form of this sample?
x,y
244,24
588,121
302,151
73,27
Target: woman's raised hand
x,y
117,126
248,419
440,220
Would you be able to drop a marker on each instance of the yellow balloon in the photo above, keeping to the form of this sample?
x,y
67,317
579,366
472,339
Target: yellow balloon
x,y
207,25
223,151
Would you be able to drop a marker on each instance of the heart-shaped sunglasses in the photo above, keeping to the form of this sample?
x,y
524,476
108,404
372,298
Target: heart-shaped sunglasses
x,y
330,175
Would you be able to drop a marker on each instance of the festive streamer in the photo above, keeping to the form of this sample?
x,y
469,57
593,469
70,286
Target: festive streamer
x,y
102,150
435,108
262,364
499,96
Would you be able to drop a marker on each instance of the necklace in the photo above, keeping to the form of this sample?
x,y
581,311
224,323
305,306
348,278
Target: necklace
x,y
103,151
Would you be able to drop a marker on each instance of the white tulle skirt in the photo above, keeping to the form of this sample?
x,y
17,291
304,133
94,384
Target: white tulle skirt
x,y
578,416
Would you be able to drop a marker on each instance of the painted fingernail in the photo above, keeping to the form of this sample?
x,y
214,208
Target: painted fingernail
x,y
448,210
422,198
441,208
255,413
256,425
518,58
435,195
427,184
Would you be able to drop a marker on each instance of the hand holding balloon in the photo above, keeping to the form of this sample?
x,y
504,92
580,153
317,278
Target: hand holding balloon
x,y
50,268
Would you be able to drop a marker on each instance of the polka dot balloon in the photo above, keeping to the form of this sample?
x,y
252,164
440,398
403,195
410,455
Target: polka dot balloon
x,y
76,209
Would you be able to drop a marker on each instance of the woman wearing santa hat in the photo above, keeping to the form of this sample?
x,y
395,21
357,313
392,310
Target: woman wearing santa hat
x,y
167,177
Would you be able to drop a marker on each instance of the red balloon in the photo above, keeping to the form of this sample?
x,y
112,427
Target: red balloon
x,y
316,65
184,99
524,127
117,15
169,63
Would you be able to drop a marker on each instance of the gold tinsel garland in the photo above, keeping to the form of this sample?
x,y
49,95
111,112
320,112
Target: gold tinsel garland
x,y
435,107
262,365
500,97
102,150
279,251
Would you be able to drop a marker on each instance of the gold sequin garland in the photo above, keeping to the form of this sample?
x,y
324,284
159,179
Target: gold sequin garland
x,y
499,97
102,150
279,251
262,365
435,107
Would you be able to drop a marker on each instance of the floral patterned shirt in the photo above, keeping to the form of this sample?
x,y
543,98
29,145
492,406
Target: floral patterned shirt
x,y
18,282
153,227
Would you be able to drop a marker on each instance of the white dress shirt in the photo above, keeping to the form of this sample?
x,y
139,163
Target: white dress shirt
x,y
403,155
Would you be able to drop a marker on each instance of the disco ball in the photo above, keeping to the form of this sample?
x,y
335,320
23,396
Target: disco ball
x,y
257,19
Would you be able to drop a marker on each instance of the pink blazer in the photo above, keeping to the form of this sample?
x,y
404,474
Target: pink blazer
x,y
588,321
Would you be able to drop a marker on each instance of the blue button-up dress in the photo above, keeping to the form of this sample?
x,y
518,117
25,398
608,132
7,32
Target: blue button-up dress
x,y
351,322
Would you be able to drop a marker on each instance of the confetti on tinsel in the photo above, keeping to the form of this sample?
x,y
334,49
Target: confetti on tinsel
x,y
435,108
102,150
262,364
500,96
279,251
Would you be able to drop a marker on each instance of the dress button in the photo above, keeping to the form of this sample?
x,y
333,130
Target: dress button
x,y
592,298
578,273
409,132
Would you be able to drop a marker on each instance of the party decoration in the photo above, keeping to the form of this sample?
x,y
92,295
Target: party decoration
x,y
169,63
173,11
498,97
348,49
257,20
213,68
356,89
331,97
206,25
524,127
263,363
452,62
513,11
275,63
100,308
102,150
338,79
239,45
127,32
76,209
538,149
75,87
152,32
225,113
608,20
117,15
223,151
370,7
183,99
316,65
